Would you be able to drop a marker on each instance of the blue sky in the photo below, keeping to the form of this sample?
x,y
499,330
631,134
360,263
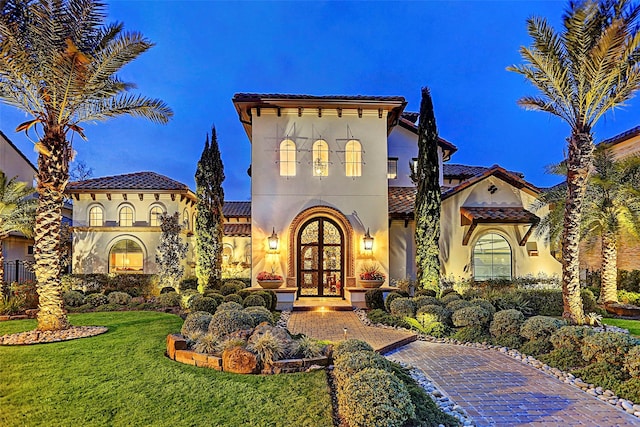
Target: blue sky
x,y
207,51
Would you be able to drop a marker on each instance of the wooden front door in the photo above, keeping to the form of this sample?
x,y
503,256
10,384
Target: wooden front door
x,y
320,259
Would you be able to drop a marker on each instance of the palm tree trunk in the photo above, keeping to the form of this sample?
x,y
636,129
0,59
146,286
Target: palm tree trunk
x,y
53,174
609,286
578,164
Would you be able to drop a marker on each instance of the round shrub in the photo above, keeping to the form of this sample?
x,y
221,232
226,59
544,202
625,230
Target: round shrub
x,y
120,298
540,327
484,304
196,325
421,301
73,298
169,299
571,337
431,326
451,296
629,389
511,341
187,297
233,298
426,292
589,301
229,305
244,293
239,284
259,315
166,290
448,291
457,304
632,362
230,288
403,307
506,323
610,347
602,374
273,304
204,304
392,295
470,316
352,362
536,347
227,321
96,300
267,297
254,301
563,359
374,298
471,334
350,345
219,298
375,398
443,315
189,283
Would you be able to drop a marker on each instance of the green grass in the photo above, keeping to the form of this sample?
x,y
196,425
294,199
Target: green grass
x,y
632,325
123,378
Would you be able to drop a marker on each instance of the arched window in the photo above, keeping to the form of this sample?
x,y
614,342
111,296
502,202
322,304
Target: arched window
x,y
125,216
185,219
96,216
353,158
491,258
126,256
154,216
320,158
287,158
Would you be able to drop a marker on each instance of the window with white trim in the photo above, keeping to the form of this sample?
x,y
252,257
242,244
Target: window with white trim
x,y
96,216
125,216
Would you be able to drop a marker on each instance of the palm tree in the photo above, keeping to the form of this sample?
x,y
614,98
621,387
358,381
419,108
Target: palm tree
x,y
581,73
58,63
17,211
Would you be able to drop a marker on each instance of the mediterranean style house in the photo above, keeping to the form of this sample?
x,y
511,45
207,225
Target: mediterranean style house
x,y
331,194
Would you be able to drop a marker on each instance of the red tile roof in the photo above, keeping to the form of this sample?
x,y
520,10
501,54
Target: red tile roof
x,y
236,209
402,201
499,172
505,215
622,136
237,230
244,97
453,170
148,181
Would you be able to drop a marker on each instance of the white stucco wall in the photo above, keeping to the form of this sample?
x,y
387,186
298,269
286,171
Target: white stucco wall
x,y
13,164
403,145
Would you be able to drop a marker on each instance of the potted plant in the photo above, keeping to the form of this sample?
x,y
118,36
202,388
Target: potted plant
x,y
269,280
371,276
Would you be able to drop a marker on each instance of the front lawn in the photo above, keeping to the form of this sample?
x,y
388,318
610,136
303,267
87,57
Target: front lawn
x,y
632,325
123,378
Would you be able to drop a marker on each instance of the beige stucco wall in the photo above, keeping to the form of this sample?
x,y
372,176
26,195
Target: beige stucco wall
x,y
403,144
13,164
277,200
630,147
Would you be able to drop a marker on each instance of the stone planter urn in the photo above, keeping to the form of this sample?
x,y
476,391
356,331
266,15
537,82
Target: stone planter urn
x,y
370,284
270,284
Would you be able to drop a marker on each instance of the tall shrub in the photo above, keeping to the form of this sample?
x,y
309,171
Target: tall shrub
x,y
171,251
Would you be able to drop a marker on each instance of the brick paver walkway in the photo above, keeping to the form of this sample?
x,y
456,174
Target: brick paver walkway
x,y
497,390
329,325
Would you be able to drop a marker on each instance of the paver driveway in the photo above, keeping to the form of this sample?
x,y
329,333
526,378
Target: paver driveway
x,y
497,390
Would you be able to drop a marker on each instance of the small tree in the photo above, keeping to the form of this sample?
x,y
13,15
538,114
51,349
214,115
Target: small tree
x,y
171,251
427,208
209,218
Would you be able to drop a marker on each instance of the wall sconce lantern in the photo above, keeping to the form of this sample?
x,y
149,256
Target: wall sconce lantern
x,y
273,240
368,241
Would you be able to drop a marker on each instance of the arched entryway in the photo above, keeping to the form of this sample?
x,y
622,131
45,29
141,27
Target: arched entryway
x,y
320,246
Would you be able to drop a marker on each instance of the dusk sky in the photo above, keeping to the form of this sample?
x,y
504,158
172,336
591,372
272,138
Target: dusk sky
x,y
207,51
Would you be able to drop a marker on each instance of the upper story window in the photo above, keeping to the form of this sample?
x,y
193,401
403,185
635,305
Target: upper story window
x,y
320,158
96,216
287,158
185,219
392,168
353,158
125,216
154,216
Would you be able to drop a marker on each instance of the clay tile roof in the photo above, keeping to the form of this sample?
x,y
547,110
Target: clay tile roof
x,y
622,136
236,209
264,96
237,230
467,171
148,181
499,215
402,201
499,172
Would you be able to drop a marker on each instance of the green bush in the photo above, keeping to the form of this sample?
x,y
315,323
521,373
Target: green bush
x,y
448,291
11,306
426,292
374,298
610,347
510,300
540,327
233,298
632,362
427,323
536,347
349,363
73,298
254,301
457,304
238,283
571,338
187,297
629,389
484,304
219,298
227,321
602,374
206,304
443,315
470,316
273,304
350,345
392,295
375,398
207,344
167,289
451,296
267,297
189,283
627,297
244,293
506,323
96,299
424,300
563,359
381,316
471,334
120,298
629,280
403,307
230,288
259,315
170,299
108,307
306,348
268,348
511,341
196,325
589,303
229,305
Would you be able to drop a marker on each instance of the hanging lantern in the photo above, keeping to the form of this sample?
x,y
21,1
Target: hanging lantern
x,y
368,241
273,240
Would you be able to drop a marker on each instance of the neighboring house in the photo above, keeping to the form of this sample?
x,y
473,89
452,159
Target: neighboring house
x,y
17,248
116,225
236,251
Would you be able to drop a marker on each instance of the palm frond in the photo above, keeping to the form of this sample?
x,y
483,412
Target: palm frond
x,y
134,105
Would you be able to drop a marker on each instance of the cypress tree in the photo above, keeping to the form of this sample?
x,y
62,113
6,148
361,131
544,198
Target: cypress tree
x,y
427,207
171,251
209,218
